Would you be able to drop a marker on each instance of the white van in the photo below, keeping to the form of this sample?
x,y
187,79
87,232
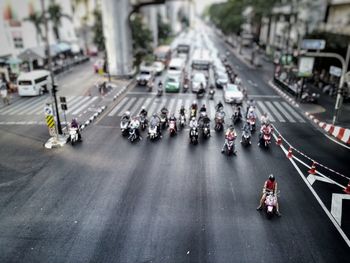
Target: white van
x,y
201,59
176,67
33,83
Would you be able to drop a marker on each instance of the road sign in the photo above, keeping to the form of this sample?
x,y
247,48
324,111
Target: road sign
x,y
48,110
335,71
50,121
306,65
63,99
64,106
315,44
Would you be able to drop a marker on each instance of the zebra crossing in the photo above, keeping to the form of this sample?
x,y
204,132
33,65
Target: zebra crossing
x,y
35,106
277,110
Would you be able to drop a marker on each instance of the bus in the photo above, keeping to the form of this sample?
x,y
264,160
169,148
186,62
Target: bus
x,y
33,83
183,47
201,59
163,54
176,67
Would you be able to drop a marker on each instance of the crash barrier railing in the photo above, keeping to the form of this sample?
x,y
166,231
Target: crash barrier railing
x,y
314,167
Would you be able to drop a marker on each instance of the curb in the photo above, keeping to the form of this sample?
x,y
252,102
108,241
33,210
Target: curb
x,y
342,134
93,117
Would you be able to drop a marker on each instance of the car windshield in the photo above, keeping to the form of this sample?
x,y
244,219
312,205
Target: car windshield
x,y
232,88
145,73
198,78
222,75
172,79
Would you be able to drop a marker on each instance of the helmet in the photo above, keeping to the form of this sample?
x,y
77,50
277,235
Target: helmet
x,y
143,108
203,106
154,115
271,177
127,113
193,119
194,102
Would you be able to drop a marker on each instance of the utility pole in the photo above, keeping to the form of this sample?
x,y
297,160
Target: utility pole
x,y
54,86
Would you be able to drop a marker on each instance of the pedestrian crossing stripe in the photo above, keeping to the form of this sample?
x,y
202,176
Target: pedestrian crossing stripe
x,y
276,110
50,121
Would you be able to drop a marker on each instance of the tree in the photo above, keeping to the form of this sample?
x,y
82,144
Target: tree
x,y
36,19
164,30
141,39
97,29
55,16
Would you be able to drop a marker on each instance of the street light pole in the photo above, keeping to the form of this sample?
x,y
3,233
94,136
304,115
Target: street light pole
x,y
54,87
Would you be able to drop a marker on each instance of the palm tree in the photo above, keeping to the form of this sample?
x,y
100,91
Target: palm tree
x,y
84,20
55,16
36,19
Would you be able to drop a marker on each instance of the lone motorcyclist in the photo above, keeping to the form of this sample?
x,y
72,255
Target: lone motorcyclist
x,y
203,108
135,124
143,112
211,91
193,123
193,109
269,185
219,106
265,129
229,135
155,121
265,119
182,110
75,125
246,129
250,104
126,116
237,114
173,118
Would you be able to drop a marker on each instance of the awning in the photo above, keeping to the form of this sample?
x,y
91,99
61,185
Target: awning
x,y
63,47
13,61
37,53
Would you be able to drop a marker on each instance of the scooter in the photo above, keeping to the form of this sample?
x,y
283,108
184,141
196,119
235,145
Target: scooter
x,y
265,139
200,93
206,130
172,130
133,131
309,97
163,121
160,90
236,118
230,145
124,127
219,123
246,140
193,113
73,134
270,204
152,132
252,124
143,122
185,87
194,135
211,94
182,120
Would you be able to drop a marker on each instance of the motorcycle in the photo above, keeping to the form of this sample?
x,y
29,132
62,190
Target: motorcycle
x,y
246,138
252,124
73,135
143,122
265,139
236,118
133,131
193,113
211,94
163,121
206,130
219,123
200,93
270,204
185,87
150,86
230,145
172,129
182,120
194,135
309,97
124,127
160,90
153,132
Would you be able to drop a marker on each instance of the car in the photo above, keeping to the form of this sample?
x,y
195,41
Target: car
x,y
197,79
232,94
221,80
158,67
172,83
99,63
145,76
93,51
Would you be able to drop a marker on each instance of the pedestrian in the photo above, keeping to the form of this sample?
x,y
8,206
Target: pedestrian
x,y
4,93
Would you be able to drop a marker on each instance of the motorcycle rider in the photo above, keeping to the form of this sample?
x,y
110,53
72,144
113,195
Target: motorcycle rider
x,y
155,121
237,113
203,108
126,116
265,129
160,87
201,90
265,119
229,135
250,104
182,110
143,112
246,129
164,112
173,118
193,123
194,108
75,125
211,91
269,185
251,114
219,106
135,124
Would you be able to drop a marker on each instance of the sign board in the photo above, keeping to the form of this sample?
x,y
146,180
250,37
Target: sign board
x,y
315,44
335,71
64,106
48,110
306,65
63,99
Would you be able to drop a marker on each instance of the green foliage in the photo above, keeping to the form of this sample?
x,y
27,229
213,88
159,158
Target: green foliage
x,y
97,29
164,30
55,16
37,20
142,39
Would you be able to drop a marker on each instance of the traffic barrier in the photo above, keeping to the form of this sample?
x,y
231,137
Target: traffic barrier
x,y
347,189
313,168
279,140
290,153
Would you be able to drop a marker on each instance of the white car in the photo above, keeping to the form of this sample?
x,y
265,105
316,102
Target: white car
x,y
197,79
158,67
145,76
221,80
232,94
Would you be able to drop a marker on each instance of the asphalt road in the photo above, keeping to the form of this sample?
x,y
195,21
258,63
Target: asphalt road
x,y
107,200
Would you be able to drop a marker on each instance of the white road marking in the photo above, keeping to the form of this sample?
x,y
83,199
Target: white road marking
x,y
127,106
32,102
171,105
77,104
10,108
337,206
284,112
293,112
85,105
116,108
275,111
136,106
264,109
313,178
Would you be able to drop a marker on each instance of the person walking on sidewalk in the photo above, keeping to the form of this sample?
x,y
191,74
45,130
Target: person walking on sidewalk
x,y
4,93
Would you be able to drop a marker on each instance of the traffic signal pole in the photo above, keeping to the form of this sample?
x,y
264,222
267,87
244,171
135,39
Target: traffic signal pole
x,y
54,86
